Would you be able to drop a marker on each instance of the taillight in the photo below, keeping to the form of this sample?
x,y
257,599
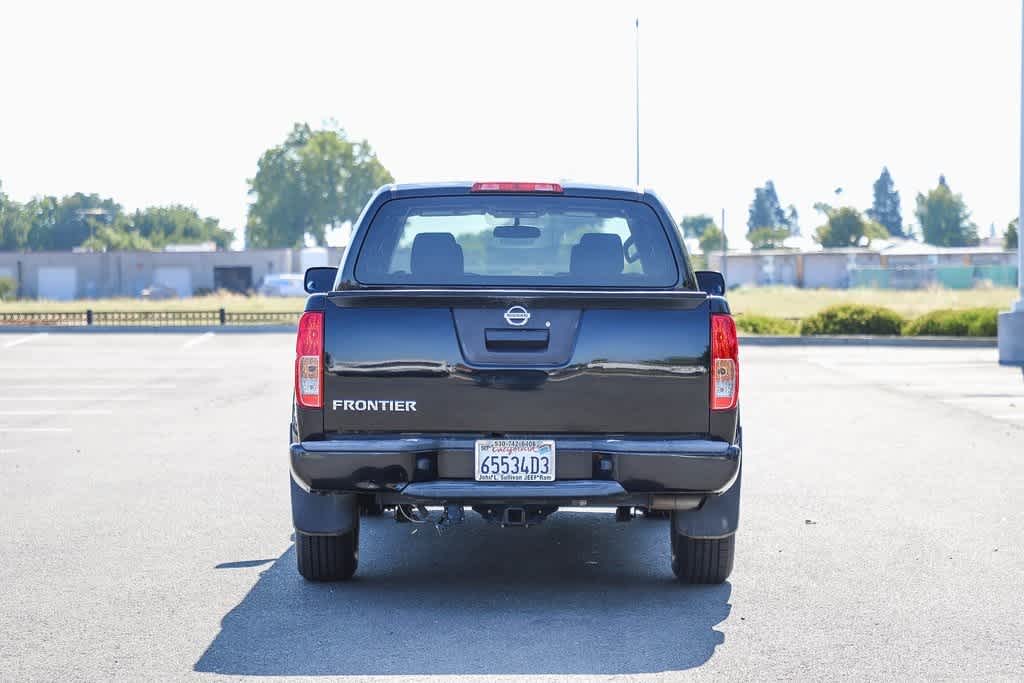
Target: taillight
x,y
309,360
516,187
725,363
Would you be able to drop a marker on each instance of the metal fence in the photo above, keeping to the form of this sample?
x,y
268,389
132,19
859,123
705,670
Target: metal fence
x,y
949,277
148,318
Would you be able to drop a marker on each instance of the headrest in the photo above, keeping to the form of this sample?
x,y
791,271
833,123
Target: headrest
x,y
436,256
599,254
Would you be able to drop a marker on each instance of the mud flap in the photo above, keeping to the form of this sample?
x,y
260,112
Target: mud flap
x,y
718,517
326,515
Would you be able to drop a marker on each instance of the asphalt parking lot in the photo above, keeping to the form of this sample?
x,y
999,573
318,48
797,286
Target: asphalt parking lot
x,y
145,529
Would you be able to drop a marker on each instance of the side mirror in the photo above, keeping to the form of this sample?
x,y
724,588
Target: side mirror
x,y
711,282
319,280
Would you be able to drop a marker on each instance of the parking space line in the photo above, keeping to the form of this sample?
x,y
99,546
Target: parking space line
x,y
967,401
56,412
84,387
152,368
21,340
205,336
73,398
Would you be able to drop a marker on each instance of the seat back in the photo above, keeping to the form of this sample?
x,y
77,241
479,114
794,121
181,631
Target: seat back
x,y
435,256
599,254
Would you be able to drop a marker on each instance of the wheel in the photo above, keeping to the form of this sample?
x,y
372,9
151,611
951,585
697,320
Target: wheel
x,y
369,507
327,558
702,560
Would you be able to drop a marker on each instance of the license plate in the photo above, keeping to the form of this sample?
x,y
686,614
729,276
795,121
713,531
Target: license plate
x,y
515,460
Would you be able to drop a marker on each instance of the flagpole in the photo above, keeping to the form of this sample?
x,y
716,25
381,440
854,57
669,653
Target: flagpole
x,y
637,98
1011,323
725,252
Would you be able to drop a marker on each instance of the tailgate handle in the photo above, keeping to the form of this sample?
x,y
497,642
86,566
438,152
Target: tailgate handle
x,y
515,340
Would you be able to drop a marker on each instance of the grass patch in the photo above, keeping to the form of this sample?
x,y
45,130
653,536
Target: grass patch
x,y
790,302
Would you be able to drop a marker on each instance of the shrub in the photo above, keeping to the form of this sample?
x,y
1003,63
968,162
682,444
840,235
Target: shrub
x,y
8,287
853,319
766,324
971,322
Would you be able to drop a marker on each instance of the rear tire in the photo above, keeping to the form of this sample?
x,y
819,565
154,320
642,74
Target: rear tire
x,y
702,560
327,558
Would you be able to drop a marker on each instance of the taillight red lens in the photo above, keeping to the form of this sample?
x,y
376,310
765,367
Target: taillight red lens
x,y
725,363
516,187
309,359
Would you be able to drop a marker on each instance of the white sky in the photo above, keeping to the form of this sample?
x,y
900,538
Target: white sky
x,y
154,103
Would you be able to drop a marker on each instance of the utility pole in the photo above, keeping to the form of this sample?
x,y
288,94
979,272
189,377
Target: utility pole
x,y
637,97
725,254
1011,323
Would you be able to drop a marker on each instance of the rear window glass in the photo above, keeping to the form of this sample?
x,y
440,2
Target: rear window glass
x,y
491,240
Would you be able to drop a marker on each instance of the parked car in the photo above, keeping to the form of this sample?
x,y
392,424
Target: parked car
x,y
513,348
157,291
282,284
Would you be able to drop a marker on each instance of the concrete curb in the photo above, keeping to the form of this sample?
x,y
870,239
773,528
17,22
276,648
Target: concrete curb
x,y
146,329
868,340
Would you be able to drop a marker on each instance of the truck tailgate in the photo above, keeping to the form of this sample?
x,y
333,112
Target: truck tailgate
x,y
451,361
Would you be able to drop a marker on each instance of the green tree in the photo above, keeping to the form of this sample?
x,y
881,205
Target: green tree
x,y
65,223
767,238
694,226
119,237
793,220
41,214
885,208
366,175
712,239
177,224
8,288
846,227
90,221
1010,236
316,179
766,211
14,224
944,218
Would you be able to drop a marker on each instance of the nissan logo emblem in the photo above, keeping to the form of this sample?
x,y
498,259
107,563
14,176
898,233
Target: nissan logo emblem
x,y
517,316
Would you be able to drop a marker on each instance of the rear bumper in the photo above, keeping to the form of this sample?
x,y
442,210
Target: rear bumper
x,y
442,468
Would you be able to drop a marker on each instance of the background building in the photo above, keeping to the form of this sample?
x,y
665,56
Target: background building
x,y
63,275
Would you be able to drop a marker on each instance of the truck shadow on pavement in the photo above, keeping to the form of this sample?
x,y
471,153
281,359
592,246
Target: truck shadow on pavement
x,y
579,594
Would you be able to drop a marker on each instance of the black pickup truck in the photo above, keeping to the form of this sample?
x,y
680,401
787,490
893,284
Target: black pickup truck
x,y
515,348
